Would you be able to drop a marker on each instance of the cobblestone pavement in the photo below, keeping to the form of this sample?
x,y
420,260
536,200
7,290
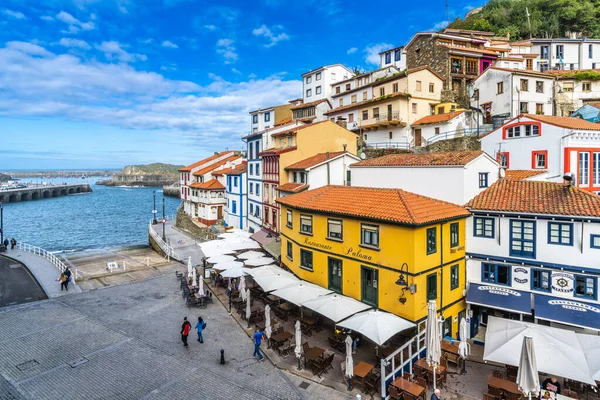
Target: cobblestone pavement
x,y
123,342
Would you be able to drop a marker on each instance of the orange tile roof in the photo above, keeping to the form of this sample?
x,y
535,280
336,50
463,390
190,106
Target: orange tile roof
x,y
421,159
521,174
536,197
392,205
314,160
522,72
213,184
194,165
564,122
437,118
235,170
313,103
298,128
292,187
276,150
471,49
214,166
421,68
569,73
284,121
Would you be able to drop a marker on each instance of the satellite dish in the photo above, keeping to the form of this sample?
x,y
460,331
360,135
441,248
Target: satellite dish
x,y
502,172
363,155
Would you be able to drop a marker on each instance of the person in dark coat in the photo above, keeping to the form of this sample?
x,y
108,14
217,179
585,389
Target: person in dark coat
x,y
13,243
68,275
5,243
185,331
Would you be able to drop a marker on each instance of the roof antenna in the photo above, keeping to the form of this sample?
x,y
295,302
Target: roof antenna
x,y
447,14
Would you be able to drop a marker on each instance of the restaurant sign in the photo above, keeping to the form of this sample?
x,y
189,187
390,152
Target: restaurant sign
x,y
562,282
317,245
573,305
499,290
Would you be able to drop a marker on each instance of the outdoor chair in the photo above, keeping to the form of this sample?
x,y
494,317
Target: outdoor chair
x,y
444,361
284,350
305,347
498,374
487,396
306,329
334,344
318,366
372,385
319,324
395,393
570,393
178,275
421,381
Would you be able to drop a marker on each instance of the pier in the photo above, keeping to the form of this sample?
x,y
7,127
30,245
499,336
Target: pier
x,y
42,192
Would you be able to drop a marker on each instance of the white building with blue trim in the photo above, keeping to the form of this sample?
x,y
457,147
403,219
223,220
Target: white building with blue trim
x,y
236,213
533,251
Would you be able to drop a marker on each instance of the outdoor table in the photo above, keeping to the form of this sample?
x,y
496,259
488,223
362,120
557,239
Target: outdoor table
x,y
422,365
191,287
308,320
409,387
361,370
286,306
313,353
272,297
262,324
449,348
255,308
503,384
281,337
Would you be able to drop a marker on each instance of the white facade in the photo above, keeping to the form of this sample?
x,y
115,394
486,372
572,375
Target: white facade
x,y
395,57
456,184
254,181
316,84
236,214
262,119
572,94
566,54
464,123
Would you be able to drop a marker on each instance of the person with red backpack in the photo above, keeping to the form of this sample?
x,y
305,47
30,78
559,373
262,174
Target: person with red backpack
x,y
185,331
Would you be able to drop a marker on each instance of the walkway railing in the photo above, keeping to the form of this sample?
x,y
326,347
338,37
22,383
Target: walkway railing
x,y
388,145
415,347
168,250
38,251
457,133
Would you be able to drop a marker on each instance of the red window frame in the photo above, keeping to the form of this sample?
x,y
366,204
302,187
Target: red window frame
x,y
503,153
534,153
505,128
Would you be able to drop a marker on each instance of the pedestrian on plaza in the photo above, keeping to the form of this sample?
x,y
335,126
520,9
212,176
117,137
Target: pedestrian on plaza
x,y
551,384
185,331
13,243
200,325
436,394
258,337
63,281
68,275
5,243
204,262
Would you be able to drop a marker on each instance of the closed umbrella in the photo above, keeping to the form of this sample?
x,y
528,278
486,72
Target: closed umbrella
x,y
528,378
189,266
194,278
268,324
242,288
201,286
349,361
432,338
298,348
464,348
248,310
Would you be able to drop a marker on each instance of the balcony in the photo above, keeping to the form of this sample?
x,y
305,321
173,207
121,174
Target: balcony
x,y
382,120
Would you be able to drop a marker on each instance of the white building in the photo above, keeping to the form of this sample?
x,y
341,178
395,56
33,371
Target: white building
x,y
317,171
451,176
532,251
516,55
395,57
315,111
236,213
316,84
505,93
267,118
572,92
556,144
433,128
566,54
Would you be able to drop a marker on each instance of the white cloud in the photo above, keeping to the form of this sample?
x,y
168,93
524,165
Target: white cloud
x,y
74,24
66,42
14,14
372,52
47,18
352,50
236,71
267,32
148,41
115,51
168,43
226,48
210,27
439,25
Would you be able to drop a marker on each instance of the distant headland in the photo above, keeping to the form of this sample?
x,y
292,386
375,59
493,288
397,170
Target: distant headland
x,y
155,174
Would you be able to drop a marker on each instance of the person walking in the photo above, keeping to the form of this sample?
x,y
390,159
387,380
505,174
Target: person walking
x,y
200,325
436,394
13,243
258,336
5,243
68,278
63,281
185,331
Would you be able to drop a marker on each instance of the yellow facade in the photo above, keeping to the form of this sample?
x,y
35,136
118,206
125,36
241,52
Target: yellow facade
x,y
398,244
445,108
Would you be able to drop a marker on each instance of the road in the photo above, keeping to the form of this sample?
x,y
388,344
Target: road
x,y
17,284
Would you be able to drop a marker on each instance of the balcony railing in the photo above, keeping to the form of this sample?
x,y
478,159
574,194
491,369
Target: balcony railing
x,y
459,133
381,118
388,145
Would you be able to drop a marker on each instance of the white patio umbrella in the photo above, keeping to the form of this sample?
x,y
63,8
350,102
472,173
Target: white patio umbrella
x,y
221,258
248,310
268,324
464,347
229,264
528,378
377,325
349,361
189,267
242,288
201,286
257,262
266,270
590,344
243,245
298,348
215,248
194,278
274,282
250,255
335,307
301,292
432,338
234,272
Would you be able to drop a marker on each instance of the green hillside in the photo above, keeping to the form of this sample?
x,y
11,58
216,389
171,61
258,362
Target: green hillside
x,y
549,18
154,169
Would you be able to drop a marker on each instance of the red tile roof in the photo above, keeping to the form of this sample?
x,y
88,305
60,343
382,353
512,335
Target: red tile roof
x,y
470,49
437,118
565,122
314,160
536,197
276,150
292,187
422,159
312,103
297,128
390,205
214,166
235,170
522,72
568,73
213,184
521,174
421,68
196,164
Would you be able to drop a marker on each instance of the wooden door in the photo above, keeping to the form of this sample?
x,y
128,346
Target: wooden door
x,y
417,137
389,112
219,212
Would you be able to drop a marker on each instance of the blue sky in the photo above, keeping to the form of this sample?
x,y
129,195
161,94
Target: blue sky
x,y
105,83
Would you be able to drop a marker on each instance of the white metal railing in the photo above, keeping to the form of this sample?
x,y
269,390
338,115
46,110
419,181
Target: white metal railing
x,y
168,250
418,342
38,251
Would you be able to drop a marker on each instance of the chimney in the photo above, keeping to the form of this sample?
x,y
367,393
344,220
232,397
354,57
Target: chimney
x,y
345,145
216,152
342,122
327,156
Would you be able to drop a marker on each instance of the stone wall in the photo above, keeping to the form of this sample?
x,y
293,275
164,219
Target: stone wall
x,y
456,144
424,51
185,223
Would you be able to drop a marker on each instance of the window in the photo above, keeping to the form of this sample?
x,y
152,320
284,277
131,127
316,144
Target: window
x,y
456,65
432,286
369,286
255,119
337,90
419,86
539,108
349,178
251,169
524,107
341,102
302,177
525,85
529,64
257,172
318,76
353,98
306,259
351,117
472,67
476,94
453,277
318,90
267,117
596,177
334,229
595,241
308,79
348,86
365,95
306,224
584,168
365,115
289,219
437,130
335,274
522,238
369,236
290,250
390,135
257,189
500,86
395,88
398,54
414,108
493,273
431,87
539,159
560,233
382,91
251,188
483,179
544,53
590,51
431,240
257,211
586,87
454,234
388,57
308,92
560,52
568,86
540,280
585,286
233,206
483,227
539,87
376,112
251,208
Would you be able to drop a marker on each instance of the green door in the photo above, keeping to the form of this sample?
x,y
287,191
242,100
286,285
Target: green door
x,y
369,286
335,274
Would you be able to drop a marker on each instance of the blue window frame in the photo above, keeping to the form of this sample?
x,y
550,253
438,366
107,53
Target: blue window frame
x,y
257,190
267,117
251,208
540,280
483,179
585,286
235,181
251,169
560,233
595,241
255,119
522,238
233,206
251,188
397,55
483,227
388,57
257,169
494,273
229,182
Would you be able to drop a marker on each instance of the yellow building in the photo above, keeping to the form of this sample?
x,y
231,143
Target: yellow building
x,y
363,242
445,108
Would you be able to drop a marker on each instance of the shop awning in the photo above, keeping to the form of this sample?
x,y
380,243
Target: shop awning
x,y
567,311
502,298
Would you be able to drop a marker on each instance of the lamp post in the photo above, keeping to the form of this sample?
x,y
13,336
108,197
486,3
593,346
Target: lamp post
x,y
403,283
163,217
476,97
154,208
1,226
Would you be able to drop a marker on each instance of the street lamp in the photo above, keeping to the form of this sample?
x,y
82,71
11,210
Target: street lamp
x,y
154,208
163,217
404,284
476,97
2,227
